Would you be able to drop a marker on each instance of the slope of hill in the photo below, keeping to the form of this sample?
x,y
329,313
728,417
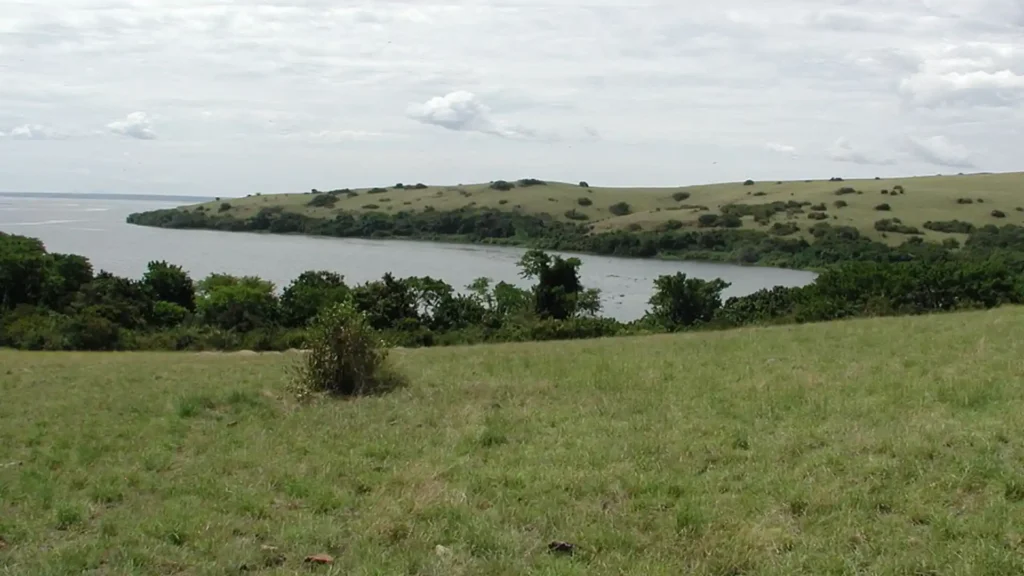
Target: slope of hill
x,y
873,446
914,201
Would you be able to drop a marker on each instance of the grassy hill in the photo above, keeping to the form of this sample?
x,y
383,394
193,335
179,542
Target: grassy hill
x,y
930,198
887,446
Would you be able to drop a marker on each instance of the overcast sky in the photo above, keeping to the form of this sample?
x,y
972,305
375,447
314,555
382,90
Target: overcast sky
x,y
243,96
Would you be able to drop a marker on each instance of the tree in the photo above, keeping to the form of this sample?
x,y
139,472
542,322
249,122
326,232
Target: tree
x,y
388,303
237,303
123,301
558,293
680,302
309,294
22,270
170,283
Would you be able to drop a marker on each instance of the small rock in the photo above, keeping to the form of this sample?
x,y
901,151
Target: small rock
x,y
562,547
319,559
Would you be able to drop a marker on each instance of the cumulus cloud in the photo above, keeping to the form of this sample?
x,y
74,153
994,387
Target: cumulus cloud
x,y
462,111
781,148
968,74
136,125
940,151
842,150
35,132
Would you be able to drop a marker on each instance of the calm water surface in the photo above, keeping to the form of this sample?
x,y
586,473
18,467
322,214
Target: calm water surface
x,y
96,228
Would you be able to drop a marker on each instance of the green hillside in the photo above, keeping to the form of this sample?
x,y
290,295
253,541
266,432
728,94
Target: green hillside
x,y
888,446
924,199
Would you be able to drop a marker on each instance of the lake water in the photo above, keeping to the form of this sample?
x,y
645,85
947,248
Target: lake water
x,y
96,228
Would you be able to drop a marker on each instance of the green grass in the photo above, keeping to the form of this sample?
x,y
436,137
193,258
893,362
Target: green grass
x,y
892,446
925,198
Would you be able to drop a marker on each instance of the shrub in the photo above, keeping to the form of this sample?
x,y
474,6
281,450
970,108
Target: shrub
x,y
998,214
370,207
981,200
950,226
351,193
583,184
420,186
895,225
817,216
897,189
620,209
323,201
784,229
885,192
680,196
760,193
584,201
845,190
964,201
346,356
835,179
502,185
224,207
840,204
527,182
1019,208
671,225
502,202
376,190
883,208
819,207
399,186
748,183
708,220
574,215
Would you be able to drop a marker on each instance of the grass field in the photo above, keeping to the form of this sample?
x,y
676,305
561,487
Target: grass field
x,y
925,198
891,446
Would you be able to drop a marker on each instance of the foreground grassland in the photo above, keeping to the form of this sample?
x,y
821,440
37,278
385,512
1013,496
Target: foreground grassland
x,y
891,446
927,198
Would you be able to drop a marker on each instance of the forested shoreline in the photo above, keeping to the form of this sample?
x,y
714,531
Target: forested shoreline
x,y
51,301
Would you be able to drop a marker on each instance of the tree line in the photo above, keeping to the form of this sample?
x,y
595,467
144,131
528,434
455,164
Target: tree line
x,y
52,301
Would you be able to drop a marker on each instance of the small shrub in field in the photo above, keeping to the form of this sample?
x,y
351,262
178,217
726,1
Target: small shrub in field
x,y
502,202
964,201
370,207
760,193
840,204
845,190
420,186
817,216
897,189
584,201
224,207
680,196
620,209
574,215
502,185
583,184
885,192
376,190
346,356
819,207
748,183
527,182
883,207
998,214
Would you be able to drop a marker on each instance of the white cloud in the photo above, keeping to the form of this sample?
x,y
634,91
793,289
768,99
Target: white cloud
x,y
136,125
462,111
35,132
842,150
781,148
940,151
320,91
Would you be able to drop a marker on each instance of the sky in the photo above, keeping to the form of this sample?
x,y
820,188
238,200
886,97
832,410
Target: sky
x,y
242,96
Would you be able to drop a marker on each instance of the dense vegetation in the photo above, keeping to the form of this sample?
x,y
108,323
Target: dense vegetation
x,y
57,301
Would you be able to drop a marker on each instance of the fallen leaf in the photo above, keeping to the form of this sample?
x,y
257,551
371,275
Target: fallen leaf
x,y
562,547
320,559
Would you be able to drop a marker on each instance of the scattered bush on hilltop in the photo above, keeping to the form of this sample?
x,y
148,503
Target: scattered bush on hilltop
x,y
950,226
883,207
998,214
620,209
680,196
502,185
895,225
224,207
527,182
584,201
323,201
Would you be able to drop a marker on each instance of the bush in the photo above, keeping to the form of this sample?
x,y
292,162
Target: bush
x,y
840,204
574,215
346,356
399,186
883,207
502,202
760,193
680,196
584,201
819,207
376,190
885,192
998,214
748,183
964,201
583,184
371,207
323,201
845,190
950,226
817,216
784,229
502,185
897,189
224,207
895,225
420,186
620,209
527,182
